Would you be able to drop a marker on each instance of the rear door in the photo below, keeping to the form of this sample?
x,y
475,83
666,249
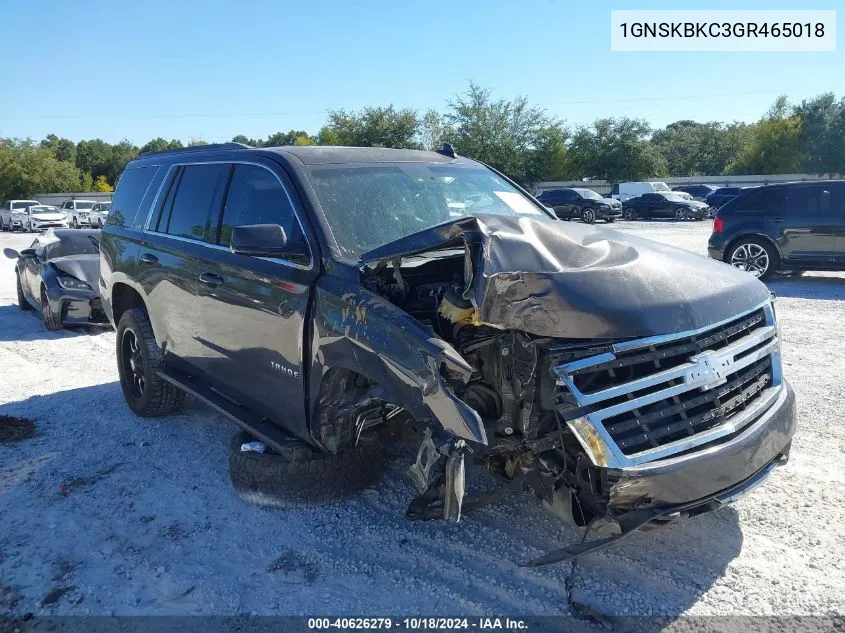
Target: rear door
x,y
253,309
168,258
837,210
808,225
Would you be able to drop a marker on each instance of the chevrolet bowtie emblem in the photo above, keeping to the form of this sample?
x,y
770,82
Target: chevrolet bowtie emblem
x,y
710,369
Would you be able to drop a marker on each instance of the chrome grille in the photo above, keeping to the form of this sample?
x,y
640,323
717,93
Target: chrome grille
x,y
651,398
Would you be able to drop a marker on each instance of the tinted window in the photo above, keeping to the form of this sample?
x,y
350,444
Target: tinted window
x,y
807,201
256,197
130,192
196,199
23,204
763,201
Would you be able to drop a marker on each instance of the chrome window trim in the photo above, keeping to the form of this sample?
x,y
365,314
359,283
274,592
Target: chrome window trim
x,y
275,260
597,442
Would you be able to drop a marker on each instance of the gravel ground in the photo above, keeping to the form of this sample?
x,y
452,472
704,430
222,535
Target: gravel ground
x,y
105,513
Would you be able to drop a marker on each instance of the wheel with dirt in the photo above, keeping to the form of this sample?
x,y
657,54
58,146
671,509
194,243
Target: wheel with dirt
x,y
755,256
588,216
139,359
629,214
302,476
51,321
23,304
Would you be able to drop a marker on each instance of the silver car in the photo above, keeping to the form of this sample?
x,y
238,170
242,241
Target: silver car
x,y
99,214
13,214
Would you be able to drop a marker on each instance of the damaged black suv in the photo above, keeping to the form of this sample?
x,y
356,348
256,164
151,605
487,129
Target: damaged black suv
x,y
317,295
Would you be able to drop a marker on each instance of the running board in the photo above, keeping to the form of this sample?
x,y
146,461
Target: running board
x,y
255,425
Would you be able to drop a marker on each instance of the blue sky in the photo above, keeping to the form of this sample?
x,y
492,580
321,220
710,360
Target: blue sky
x,y
212,69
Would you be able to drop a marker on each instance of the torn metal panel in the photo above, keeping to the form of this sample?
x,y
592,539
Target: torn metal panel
x,y
358,330
567,280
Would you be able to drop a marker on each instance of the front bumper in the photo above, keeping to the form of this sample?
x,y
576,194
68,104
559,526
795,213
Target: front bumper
x,y
604,213
40,226
703,474
79,308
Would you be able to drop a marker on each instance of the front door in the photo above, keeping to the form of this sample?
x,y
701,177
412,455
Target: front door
x,y
253,310
837,212
808,226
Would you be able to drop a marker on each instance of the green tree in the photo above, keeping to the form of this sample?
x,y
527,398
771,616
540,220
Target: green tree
x,y
514,137
375,127
822,133
281,139
434,131
694,149
159,145
27,169
240,138
775,145
63,149
616,150
102,185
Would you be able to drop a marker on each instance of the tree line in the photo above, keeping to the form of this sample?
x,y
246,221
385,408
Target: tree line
x,y
514,136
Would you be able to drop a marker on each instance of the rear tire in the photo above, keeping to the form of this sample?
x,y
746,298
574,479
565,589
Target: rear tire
x,y
754,256
680,214
23,304
139,359
629,214
302,476
51,322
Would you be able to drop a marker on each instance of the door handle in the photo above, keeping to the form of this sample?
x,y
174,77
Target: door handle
x,y
149,258
777,220
210,279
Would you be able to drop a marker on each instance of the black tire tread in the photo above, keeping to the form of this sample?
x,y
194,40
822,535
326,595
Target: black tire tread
x,y
302,477
50,321
161,397
23,304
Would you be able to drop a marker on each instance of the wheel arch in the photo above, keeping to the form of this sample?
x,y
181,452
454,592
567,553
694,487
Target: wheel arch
x,y
754,235
124,297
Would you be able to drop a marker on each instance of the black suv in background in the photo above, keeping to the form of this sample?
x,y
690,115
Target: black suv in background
x,y
721,196
698,192
316,295
790,226
585,204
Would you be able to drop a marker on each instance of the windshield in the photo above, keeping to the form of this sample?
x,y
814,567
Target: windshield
x,y
660,186
104,207
23,204
70,243
674,196
43,209
84,205
369,205
589,194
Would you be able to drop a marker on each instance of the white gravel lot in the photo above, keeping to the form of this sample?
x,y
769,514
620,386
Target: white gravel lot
x,y
106,513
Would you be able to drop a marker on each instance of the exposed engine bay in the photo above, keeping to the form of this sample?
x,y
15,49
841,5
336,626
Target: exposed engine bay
x,y
512,386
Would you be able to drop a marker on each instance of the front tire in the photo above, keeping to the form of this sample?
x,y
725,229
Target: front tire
x,y
74,223
302,476
23,304
588,216
139,359
754,256
51,321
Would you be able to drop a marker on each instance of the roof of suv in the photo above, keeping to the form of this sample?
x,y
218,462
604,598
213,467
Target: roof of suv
x,y
322,154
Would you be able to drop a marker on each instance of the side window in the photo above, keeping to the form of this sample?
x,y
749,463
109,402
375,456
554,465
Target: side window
x,y
808,201
195,201
257,197
769,201
129,194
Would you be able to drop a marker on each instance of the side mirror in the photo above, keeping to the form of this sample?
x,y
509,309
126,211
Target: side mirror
x,y
264,240
11,253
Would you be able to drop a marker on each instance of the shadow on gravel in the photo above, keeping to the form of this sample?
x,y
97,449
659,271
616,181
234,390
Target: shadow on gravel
x,y
821,288
26,325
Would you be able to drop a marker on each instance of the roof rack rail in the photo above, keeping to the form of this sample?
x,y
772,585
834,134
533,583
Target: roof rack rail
x,y
197,148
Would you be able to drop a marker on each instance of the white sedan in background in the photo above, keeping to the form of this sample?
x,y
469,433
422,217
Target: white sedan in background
x,y
44,216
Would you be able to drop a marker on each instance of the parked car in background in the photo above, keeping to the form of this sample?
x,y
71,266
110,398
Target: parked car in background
x,y
78,212
622,191
13,214
44,216
316,294
697,192
791,226
721,196
99,214
585,204
663,205
58,274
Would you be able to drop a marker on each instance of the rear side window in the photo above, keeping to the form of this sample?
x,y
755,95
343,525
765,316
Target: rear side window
x,y
808,201
256,196
130,192
766,201
195,200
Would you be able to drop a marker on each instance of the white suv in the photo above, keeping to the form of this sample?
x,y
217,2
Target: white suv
x,y
78,212
13,215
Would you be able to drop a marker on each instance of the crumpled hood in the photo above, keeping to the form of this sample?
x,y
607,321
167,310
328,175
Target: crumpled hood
x,y
568,280
84,267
